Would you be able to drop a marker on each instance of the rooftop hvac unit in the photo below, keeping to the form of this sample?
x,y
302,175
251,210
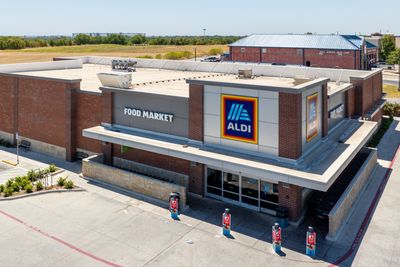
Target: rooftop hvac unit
x,y
123,65
118,80
245,74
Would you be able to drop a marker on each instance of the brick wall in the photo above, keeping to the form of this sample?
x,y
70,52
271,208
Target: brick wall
x,y
250,54
8,92
153,159
350,102
325,125
290,111
196,179
290,197
196,118
87,114
107,107
329,58
346,59
283,56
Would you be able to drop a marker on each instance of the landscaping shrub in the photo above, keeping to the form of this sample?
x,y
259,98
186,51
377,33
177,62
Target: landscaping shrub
x,y
24,183
381,132
8,191
145,56
32,176
158,56
39,186
391,109
69,184
5,143
9,182
1,188
19,181
215,51
52,168
61,181
15,186
178,55
29,188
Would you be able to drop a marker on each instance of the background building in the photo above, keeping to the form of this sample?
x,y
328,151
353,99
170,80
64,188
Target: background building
x,y
314,50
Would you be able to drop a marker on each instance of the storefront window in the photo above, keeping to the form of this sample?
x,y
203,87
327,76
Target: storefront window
x,y
231,182
214,182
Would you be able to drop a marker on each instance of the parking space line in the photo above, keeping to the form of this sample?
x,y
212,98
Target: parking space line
x,y
11,217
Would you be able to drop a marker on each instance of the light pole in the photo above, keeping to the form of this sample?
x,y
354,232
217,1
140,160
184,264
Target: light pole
x,y
17,138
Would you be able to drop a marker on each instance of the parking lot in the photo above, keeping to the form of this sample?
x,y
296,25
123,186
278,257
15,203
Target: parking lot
x,y
106,227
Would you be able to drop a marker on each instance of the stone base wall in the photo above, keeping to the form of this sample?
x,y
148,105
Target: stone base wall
x,y
93,167
45,148
176,178
340,212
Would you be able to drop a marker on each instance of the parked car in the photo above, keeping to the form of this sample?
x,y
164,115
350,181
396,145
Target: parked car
x,y
211,59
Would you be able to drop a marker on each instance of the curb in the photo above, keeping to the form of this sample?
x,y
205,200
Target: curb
x,y
42,193
368,216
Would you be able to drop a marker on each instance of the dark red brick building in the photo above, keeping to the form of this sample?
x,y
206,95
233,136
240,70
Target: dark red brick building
x,y
323,51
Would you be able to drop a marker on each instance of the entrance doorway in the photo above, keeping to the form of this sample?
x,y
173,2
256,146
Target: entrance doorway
x,y
241,190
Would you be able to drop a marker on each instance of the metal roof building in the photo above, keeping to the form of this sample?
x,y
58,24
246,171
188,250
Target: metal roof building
x,y
345,51
313,41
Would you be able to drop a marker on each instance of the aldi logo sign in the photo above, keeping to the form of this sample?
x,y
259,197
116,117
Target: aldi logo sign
x,y
239,118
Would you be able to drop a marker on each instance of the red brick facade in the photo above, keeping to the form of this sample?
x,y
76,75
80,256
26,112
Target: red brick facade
x,y
154,159
50,111
290,110
344,59
290,196
366,93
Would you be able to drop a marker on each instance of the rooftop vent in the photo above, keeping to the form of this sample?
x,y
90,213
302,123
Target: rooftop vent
x,y
245,74
123,65
118,80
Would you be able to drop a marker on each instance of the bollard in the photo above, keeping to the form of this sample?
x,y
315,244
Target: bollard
x,y
226,223
174,205
276,238
311,241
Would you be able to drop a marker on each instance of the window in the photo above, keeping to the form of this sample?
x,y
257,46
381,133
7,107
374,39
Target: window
x,y
214,182
231,182
299,51
264,50
242,50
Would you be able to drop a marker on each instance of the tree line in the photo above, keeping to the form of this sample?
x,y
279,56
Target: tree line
x,y
13,42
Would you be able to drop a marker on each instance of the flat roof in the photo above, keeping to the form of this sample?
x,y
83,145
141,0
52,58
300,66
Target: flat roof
x,y
316,170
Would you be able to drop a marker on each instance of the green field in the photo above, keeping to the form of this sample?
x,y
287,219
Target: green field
x,y
391,91
149,51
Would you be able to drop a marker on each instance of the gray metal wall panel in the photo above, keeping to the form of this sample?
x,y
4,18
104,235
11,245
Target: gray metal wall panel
x,y
177,106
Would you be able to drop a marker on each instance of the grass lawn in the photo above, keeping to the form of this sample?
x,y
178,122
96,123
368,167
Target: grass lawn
x,y
47,53
391,91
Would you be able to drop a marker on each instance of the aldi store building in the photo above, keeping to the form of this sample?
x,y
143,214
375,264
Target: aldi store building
x,y
261,141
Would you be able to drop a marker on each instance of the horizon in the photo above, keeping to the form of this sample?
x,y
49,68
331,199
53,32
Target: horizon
x,y
43,18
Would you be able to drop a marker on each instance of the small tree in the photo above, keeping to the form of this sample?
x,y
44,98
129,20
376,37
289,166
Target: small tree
x,y
394,57
388,45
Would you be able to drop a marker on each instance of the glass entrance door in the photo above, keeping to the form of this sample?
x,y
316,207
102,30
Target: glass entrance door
x,y
269,197
250,192
241,190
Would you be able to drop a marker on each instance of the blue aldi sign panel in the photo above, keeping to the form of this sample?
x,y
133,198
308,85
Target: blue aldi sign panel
x,y
239,118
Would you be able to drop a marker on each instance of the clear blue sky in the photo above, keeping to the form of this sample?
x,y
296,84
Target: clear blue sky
x,y
187,17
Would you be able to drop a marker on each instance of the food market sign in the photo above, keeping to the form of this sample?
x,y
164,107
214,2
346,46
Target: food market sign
x,y
148,114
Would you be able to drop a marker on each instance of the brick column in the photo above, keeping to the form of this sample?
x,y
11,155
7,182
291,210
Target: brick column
x,y
107,100
349,102
290,197
196,179
196,116
325,126
290,145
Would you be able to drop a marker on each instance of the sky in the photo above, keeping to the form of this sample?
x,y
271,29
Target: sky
x,y
188,17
